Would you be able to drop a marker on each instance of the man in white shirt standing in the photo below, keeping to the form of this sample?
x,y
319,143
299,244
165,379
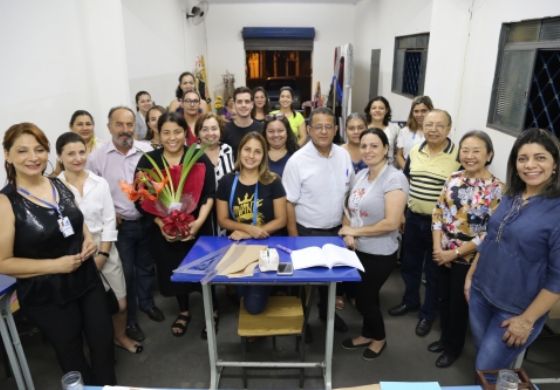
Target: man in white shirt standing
x,y
317,179
115,161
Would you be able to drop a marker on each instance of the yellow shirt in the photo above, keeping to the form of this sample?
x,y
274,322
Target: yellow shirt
x,y
427,175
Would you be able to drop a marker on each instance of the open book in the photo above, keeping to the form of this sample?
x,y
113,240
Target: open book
x,y
328,256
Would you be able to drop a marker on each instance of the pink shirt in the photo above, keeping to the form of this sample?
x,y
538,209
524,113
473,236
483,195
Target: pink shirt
x,y
114,166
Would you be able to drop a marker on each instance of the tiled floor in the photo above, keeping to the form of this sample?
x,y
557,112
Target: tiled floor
x,y
168,361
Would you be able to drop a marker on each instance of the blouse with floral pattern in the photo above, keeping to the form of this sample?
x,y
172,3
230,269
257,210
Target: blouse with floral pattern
x,y
463,209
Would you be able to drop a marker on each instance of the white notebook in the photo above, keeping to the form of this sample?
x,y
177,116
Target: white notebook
x,y
328,256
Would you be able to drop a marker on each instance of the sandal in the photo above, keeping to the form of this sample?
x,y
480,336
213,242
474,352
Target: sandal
x,y
138,348
180,325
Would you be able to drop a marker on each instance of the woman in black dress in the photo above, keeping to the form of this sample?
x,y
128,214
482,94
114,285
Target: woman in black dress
x,y
168,251
46,246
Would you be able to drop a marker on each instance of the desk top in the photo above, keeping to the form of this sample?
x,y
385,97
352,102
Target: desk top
x,y
6,283
207,244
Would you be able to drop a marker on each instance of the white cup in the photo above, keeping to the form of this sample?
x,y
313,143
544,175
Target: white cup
x,y
72,380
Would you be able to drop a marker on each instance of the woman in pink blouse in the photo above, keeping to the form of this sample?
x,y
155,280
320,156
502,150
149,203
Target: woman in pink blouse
x,y
459,222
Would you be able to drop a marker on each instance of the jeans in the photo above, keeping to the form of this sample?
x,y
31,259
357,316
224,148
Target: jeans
x,y
417,256
138,266
255,298
486,319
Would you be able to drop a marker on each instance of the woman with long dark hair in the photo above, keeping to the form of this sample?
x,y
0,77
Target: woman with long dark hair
x,y
297,121
515,280
168,251
378,114
281,142
412,133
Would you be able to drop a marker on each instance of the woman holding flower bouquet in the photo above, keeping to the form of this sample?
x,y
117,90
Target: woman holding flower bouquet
x,y
251,203
179,192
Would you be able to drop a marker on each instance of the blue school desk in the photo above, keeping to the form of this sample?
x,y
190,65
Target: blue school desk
x,y
310,276
10,336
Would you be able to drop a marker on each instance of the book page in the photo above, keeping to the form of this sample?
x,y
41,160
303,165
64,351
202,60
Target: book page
x,y
308,257
337,256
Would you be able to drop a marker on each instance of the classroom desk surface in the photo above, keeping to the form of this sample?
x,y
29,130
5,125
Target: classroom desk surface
x,y
206,245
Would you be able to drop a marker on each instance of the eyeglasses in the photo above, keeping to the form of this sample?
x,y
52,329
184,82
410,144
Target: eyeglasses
x,y
322,127
191,102
437,126
274,117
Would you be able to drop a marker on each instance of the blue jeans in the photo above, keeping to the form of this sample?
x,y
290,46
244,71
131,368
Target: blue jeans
x,y
486,319
255,298
417,256
138,266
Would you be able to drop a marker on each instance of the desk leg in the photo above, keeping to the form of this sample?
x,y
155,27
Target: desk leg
x,y
12,343
211,332
329,336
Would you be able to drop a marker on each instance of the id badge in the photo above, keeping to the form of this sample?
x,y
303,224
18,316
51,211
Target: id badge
x,y
65,227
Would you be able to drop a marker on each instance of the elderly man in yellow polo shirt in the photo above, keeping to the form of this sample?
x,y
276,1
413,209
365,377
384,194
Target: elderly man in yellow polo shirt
x,y
428,166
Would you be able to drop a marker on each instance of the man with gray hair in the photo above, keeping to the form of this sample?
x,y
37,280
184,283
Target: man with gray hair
x,y
116,160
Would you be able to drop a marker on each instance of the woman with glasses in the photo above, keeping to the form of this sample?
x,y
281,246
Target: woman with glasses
x,y
468,198
297,121
412,134
378,115
355,125
187,82
281,142
515,280
191,113
261,106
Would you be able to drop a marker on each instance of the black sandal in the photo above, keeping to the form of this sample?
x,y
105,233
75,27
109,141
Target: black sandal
x,y
180,326
138,348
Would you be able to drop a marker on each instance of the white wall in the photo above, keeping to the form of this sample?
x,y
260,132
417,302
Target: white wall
x,y
462,55
377,24
480,64
332,22
160,45
59,56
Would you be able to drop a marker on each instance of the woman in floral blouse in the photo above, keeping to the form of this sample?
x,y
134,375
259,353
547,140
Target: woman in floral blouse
x,y
459,222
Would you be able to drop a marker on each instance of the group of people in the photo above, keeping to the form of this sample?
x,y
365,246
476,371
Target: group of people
x,y
489,251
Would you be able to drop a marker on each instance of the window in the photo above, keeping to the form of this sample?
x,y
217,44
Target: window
x,y
409,65
526,90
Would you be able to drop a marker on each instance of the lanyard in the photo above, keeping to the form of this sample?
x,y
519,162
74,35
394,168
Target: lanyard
x,y
48,204
255,199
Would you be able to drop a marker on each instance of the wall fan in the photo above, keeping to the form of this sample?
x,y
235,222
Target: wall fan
x,y
197,13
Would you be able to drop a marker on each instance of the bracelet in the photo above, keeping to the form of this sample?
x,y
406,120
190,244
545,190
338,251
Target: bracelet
x,y
103,254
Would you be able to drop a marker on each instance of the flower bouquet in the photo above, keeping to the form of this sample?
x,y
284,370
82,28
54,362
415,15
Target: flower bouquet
x,y
171,193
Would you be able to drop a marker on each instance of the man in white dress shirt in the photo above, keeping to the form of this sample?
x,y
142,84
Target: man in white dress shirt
x,y
317,179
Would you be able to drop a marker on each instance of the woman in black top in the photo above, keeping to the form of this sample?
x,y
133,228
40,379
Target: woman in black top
x,y
167,251
251,203
46,246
